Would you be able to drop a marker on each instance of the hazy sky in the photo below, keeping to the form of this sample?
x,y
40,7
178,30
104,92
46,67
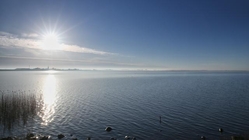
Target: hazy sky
x,y
125,34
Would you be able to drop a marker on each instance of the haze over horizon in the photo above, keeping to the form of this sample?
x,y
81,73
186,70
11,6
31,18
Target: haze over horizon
x,y
125,34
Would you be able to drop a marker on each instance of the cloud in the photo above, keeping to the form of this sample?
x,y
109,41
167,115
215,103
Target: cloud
x,y
5,34
27,41
9,40
75,48
32,35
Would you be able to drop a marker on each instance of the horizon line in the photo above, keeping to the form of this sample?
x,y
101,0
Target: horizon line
x,y
113,69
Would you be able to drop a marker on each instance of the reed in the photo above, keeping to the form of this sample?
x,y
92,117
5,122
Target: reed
x,y
16,107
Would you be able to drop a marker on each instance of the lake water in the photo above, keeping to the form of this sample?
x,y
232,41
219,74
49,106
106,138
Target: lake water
x,y
83,103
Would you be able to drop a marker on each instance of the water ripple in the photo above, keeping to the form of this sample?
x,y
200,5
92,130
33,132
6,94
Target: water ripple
x,y
190,105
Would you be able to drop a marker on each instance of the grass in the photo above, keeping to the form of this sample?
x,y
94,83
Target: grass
x,y
16,107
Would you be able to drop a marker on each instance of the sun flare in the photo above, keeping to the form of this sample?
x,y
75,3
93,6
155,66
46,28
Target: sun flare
x,y
49,99
50,41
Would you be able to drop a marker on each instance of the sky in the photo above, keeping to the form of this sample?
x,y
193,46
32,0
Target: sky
x,y
125,34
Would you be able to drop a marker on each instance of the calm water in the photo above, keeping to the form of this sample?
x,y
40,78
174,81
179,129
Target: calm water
x,y
84,103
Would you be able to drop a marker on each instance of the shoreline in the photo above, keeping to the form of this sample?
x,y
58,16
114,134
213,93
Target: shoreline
x,y
34,136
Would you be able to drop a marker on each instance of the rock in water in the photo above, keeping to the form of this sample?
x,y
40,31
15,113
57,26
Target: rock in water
x,y
220,130
203,137
60,136
44,138
108,129
29,135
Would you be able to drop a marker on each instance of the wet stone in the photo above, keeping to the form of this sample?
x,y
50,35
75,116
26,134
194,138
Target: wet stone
x,y
30,135
60,136
108,129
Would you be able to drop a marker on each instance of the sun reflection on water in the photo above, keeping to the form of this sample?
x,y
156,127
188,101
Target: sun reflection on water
x,y
49,99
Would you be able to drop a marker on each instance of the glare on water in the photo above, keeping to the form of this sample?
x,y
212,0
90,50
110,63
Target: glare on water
x,y
49,99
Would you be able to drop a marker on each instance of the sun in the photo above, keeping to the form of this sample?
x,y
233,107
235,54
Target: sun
x,y
50,41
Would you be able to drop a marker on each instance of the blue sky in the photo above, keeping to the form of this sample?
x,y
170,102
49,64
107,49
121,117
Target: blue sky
x,y
126,34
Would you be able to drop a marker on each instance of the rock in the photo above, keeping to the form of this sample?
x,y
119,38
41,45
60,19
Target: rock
x,y
220,130
60,136
108,129
127,137
44,137
32,138
29,135
134,138
203,137
89,138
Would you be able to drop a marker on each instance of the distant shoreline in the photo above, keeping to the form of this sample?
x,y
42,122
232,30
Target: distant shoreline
x,y
188,71
37,70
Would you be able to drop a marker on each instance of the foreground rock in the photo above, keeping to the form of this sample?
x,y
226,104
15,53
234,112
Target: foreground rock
x,y
30,135
60,136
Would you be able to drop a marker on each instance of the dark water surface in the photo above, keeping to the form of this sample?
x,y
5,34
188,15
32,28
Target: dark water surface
x,y
84,103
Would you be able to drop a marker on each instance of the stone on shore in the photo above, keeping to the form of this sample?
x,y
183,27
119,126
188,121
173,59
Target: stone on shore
x,y
30,135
